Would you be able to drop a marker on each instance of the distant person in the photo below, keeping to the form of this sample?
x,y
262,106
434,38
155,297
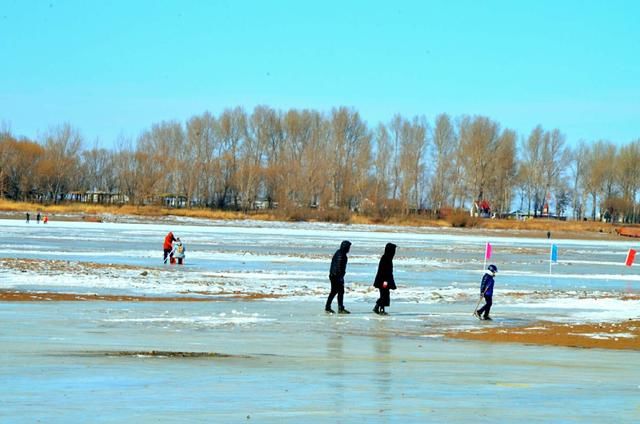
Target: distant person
x,y
548,234
336,275
38,218
45,219
167,247
28,217
486,291
178,251
384,280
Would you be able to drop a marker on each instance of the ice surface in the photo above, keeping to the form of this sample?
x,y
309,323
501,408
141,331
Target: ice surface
x,y
290,260
288,361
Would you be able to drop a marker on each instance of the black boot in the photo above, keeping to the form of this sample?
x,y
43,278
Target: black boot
x,y
329,310
376,309
382,312
342,310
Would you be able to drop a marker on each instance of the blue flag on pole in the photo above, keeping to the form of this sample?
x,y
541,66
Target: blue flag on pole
x,y
554,253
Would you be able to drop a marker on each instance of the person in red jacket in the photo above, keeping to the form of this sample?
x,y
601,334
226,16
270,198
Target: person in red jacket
x,y
168,247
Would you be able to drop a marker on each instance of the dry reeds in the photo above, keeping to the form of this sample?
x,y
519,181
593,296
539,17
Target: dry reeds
x,y
459,219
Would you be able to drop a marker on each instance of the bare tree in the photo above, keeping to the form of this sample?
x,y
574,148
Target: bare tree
x,y
382,167
531,168
61,159
577,165
478,143
413,144
351,149
395,132
503,171
128,170
156,154
203,148
19,164
544,157
232,131
628,175
445,145
97,169
599,173
555,161
306,152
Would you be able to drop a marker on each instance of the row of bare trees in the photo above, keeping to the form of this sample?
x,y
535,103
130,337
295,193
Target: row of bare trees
x,y
305,158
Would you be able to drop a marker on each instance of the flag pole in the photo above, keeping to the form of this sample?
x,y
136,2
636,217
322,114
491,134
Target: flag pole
x,y
487,254
631,255
553,257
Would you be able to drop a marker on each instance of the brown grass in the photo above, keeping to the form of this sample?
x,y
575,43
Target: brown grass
x,y
91,209
608,335
19,296
546,225
338,215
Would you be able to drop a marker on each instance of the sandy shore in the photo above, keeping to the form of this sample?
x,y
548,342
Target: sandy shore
x,y
622,335
20,296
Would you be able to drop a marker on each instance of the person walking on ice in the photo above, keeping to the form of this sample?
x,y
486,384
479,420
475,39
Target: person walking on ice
x,y
336,275
179,250
384,280
486,291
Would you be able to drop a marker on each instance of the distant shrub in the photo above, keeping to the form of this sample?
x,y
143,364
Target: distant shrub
x,y
341,215
381,212
462,219
298,214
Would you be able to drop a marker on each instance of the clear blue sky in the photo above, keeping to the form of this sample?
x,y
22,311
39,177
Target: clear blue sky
x,y
116,67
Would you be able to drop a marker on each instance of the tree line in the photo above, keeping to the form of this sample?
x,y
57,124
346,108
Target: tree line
x,y
310,159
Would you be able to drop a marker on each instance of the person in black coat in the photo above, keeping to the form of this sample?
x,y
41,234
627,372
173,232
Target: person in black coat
x,y
384,279
336,276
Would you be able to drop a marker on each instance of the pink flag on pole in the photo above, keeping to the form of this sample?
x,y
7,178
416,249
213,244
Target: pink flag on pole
x,y
630,257
487,251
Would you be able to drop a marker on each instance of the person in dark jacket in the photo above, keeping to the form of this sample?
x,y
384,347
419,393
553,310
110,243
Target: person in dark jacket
x,y
486,290
336,276
384,279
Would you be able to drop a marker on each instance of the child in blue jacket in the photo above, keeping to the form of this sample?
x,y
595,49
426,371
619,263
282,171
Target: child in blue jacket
x,y
486,290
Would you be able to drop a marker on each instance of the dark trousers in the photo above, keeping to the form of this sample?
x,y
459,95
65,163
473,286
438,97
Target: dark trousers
x,y
337,288
166,254
487,306
385,298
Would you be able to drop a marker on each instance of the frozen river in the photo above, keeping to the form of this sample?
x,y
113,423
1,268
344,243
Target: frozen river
x,y
283,359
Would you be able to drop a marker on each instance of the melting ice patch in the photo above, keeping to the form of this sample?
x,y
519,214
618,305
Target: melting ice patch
x,y
217,320
585,309
605,336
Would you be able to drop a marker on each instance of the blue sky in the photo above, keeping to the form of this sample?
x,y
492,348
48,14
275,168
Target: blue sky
x,y
116,67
